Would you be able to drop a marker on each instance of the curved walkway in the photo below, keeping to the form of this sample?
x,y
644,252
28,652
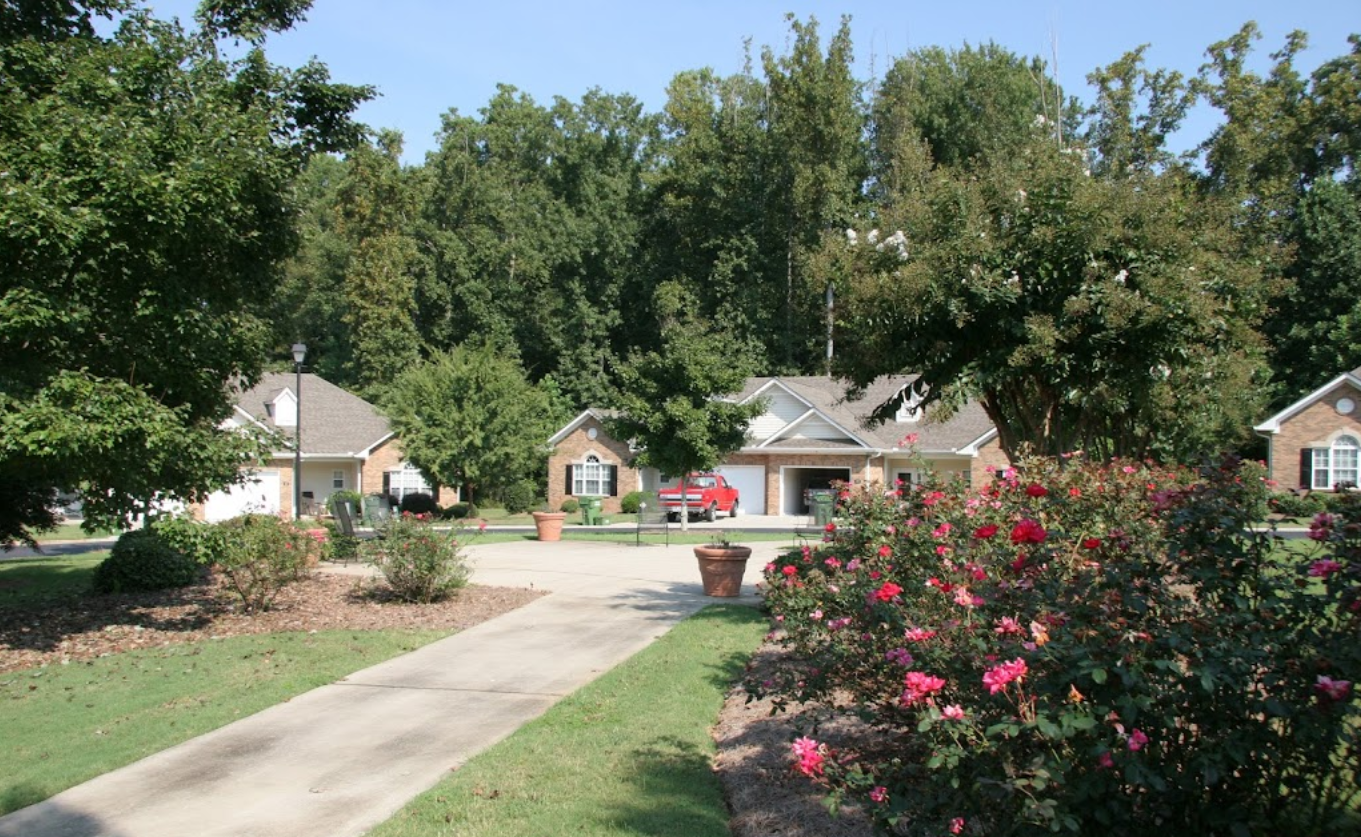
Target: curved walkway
x,y
340,759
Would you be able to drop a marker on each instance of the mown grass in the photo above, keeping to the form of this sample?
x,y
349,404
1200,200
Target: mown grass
x,y
33,582
628,754
65,724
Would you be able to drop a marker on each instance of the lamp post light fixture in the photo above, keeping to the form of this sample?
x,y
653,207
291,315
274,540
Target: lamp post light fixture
x,y
299,354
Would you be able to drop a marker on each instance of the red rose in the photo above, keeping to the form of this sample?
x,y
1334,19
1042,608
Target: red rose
x,y
790,570
1091,543
887,592
1036,490
984,532
1028,531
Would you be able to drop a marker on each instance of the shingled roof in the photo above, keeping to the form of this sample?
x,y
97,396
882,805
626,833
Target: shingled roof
x,y
828,395
334,422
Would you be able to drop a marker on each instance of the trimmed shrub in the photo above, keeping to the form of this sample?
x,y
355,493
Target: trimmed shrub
x,y
1084,649
261,555
632,501
419,503
1295,505
459,511
571,505
418,562
202,542
519,497
142,560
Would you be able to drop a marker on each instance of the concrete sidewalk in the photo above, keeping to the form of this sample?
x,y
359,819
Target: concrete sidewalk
x,y
340,759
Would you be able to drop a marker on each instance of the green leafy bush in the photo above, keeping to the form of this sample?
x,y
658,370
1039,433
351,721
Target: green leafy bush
x,y
1295,505
338,546
459,511
521,496
142,560
354,498
632,501
261,555
571,505
420,503
1088,649
419,563
202,542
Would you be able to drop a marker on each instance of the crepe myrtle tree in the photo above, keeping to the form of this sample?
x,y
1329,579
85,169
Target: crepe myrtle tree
x,y
672,403
1115,316
147,204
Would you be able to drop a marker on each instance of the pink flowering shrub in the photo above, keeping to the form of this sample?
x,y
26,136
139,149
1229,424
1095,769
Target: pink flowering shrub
x,y
1085,649
419,562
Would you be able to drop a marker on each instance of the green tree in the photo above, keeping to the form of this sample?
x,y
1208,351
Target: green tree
x,y
148,204
672,402
1107,315
470,418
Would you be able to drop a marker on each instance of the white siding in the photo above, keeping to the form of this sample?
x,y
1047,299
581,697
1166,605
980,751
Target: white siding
x,y
780,411
819,428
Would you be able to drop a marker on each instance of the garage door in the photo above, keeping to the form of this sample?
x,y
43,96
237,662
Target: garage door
x,y
750,481
259,494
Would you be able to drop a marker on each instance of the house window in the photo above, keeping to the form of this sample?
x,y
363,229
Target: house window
x,y
338,479
406,480
592,478
1337,464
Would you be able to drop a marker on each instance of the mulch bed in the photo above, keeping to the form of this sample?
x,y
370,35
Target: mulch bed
x,y
86,627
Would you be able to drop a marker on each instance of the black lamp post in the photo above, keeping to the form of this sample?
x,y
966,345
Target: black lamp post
x,y
299,354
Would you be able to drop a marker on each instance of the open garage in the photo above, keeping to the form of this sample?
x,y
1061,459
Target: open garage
x,y
794,481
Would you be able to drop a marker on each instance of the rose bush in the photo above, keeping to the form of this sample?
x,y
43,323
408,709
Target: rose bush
x,y
419,562
1079,648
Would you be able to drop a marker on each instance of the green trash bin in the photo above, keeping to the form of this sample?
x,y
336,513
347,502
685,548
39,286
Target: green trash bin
x,y
821,503
591,511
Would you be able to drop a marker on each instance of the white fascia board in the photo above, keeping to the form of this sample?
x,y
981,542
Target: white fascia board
x,y
972,448
572,425
1273,424
368,451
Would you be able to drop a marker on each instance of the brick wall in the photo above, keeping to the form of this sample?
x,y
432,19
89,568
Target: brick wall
x,y
389,457
1314,426
573,450
989,455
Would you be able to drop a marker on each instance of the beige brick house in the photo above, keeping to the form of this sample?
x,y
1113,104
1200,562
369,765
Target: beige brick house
x,y
809,436
346,445
1314,443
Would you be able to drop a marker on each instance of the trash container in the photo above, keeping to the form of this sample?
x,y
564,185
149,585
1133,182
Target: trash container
x,y
591,511
821,502
376,509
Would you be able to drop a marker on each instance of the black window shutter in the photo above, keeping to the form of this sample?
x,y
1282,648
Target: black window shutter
x,y
614,480
568,490
1306,468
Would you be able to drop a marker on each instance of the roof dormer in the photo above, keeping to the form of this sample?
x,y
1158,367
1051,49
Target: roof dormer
x,y
284,409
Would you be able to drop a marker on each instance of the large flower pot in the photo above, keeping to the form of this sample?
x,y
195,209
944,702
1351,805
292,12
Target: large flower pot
x,y
549,525
721,569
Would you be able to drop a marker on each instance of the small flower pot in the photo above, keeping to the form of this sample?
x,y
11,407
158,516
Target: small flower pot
x,y
721,569
549,525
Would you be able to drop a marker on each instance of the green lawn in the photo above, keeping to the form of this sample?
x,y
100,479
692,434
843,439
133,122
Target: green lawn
x,y
71,532
628,754
66,724
30,582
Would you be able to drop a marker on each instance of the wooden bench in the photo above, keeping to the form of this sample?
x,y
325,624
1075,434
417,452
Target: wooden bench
x,y
657,519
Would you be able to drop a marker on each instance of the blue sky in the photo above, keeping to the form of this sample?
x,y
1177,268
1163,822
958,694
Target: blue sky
x,y
428,56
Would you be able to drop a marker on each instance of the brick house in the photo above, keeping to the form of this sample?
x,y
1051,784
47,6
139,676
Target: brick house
x,y
809,436
1314,443
346,445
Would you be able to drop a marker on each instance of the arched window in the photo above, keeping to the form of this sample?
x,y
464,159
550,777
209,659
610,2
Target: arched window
x,y
1336,465
592,478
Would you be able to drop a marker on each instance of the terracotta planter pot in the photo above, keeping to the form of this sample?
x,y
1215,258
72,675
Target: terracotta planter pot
x,y
721,569
549,525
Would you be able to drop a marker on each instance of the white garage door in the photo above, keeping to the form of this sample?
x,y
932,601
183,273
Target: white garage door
x,y
750,481
258,495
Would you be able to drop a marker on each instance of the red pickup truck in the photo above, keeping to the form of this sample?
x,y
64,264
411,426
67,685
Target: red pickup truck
x,y
705,494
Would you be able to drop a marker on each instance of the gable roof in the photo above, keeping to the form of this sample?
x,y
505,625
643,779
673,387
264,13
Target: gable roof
x,y
961,433
1273,424
334,422
588,413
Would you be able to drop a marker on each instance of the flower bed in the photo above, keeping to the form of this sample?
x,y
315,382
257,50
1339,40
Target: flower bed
x,y
1084,649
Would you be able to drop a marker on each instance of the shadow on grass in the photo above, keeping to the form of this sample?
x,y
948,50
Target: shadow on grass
x,y
42,623
675,794
50,820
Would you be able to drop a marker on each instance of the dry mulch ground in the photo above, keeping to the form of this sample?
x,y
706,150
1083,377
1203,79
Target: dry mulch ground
x,y
767,796
95,626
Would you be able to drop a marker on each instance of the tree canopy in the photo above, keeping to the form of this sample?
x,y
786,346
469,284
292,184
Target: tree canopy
x,y
469,418
148,203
